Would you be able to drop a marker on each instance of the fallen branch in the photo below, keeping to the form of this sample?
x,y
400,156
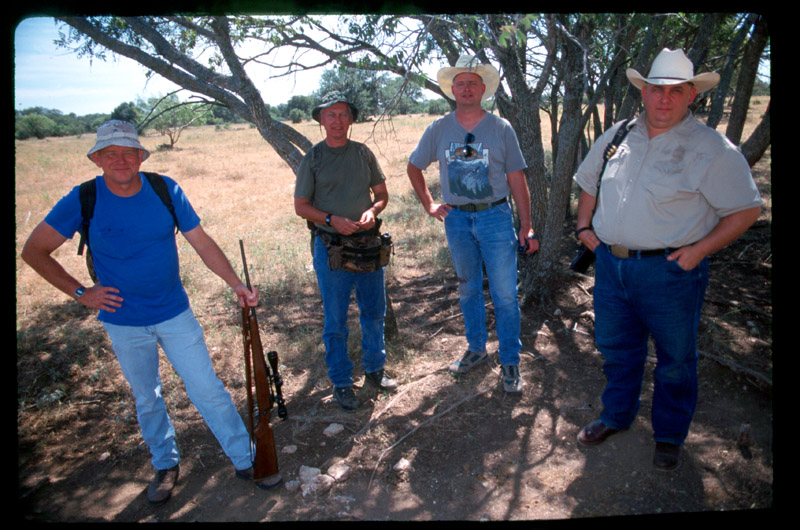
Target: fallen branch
x,y
389,405
761,379
738,305
412,431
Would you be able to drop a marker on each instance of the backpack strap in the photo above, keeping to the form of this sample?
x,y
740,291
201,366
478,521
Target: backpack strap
x,y
87,193
608,152
160,187
88,196
611,148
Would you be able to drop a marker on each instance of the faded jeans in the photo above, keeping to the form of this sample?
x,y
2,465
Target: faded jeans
x,y
487,238
336,287
181,338
634,298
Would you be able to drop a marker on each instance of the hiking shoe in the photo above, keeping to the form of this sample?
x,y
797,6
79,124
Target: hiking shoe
x,y
468,361
346,397
160,489
265,483
512,382
381,380
667,457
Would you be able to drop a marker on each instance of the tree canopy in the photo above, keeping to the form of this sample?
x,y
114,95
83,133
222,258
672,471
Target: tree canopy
x,y
571,66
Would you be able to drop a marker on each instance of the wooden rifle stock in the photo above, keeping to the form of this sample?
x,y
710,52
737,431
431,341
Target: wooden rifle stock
x,y
265,462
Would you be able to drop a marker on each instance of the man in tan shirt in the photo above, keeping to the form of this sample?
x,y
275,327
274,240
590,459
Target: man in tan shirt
x,y
674,192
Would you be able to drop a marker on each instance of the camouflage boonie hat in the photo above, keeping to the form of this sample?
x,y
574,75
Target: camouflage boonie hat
x,y
332,98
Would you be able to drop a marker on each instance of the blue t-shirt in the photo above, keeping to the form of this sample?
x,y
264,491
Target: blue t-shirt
x,y
133,249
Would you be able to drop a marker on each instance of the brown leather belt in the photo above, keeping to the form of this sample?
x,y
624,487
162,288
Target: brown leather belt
x,y
624,252
478,207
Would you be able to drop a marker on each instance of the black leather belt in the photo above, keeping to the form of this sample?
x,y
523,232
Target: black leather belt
x,y
479,206
624,252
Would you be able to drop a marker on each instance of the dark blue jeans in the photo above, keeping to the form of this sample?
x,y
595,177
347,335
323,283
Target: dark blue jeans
x,y
634,298
336,287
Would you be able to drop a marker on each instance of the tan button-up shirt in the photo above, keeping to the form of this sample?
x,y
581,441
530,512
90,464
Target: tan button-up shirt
x,y
667,191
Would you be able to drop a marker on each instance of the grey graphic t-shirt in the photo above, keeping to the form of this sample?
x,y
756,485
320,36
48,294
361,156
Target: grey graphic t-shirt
x,y
472,164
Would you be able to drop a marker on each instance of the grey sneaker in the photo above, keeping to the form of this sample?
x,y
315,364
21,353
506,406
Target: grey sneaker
x,y
381,380
160,489
468,361
512,382
346,397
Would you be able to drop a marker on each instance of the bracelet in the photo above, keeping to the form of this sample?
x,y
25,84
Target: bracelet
x,y
579,230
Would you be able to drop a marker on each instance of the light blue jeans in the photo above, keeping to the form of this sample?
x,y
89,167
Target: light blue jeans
x,y
487,238
336,287
181,338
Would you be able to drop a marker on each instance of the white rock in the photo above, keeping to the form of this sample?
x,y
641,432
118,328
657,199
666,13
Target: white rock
x,y
339,471
289,449
307,474
293,485
333,429
319,484
402,465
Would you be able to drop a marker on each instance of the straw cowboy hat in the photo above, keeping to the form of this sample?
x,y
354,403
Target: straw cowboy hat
x,y
470,64
117,132
672,67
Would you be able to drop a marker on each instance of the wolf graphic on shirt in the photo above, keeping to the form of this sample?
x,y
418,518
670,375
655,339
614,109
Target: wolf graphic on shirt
x,y
468,175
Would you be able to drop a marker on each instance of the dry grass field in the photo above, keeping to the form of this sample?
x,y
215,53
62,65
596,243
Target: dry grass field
x,y
475,453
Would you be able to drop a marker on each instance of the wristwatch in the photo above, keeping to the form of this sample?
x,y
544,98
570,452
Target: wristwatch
x,y
328,219
80,291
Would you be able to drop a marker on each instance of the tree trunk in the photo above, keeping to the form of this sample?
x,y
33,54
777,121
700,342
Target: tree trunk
x,y
718,96
570,129
747,75
757,144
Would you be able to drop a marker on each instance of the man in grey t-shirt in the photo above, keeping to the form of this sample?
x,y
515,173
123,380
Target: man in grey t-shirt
x,y
480,165
341,189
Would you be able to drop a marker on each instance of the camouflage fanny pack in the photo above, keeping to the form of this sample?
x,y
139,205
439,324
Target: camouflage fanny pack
x,y
362,252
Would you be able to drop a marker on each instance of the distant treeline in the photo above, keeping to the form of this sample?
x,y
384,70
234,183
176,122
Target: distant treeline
x,y
374,95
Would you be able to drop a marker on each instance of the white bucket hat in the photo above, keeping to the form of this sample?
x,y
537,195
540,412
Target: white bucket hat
x,y
469,64
117,132
672,67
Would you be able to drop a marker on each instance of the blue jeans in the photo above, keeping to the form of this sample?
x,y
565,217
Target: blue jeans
x,y
336,286
634,298
487,238
181,338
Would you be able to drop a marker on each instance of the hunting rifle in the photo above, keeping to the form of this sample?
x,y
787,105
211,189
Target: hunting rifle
x,y
265,462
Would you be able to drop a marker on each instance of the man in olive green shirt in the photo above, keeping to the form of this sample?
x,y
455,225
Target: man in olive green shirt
x,y
341,189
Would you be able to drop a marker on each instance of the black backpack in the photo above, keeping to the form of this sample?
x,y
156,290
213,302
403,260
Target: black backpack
x,y
88,198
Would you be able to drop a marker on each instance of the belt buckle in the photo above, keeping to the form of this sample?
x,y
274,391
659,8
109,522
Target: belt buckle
x,y
620,251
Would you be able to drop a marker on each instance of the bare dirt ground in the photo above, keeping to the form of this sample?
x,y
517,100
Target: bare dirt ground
x,y
474,453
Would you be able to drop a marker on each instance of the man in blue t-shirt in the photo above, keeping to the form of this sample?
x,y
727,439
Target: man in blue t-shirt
x,y
480,165
141,300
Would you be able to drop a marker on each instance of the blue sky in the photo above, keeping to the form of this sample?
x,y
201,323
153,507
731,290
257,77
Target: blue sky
x,y
54,78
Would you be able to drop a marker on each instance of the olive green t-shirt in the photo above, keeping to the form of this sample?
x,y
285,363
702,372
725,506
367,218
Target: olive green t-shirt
x,y
338,180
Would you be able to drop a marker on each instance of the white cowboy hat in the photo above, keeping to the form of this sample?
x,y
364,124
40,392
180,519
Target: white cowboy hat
x,y
672,67
470,64
117,132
